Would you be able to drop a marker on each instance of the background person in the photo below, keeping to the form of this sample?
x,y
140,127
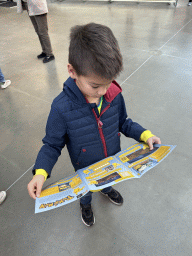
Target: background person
x,y
2,196
37,10
3,83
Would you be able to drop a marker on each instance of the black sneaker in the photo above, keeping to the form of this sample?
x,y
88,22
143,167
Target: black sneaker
x,y
42,55
114,196
87,214
48,58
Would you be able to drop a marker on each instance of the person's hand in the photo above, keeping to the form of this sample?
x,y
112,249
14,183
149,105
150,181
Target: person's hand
x,y
35,185
153,140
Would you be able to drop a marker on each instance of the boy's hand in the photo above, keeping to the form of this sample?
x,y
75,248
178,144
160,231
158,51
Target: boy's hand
x,y
35,185
153,140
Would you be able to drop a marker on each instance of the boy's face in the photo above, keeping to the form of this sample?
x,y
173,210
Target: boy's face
x,y
92,86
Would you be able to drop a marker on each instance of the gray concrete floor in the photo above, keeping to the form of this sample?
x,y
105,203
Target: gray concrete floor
x,y
156,218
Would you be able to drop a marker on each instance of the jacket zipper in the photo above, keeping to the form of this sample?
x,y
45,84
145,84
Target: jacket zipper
x,y
100,124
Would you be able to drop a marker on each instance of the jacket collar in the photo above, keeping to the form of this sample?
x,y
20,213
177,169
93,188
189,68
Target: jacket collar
x,y
113,91
72,90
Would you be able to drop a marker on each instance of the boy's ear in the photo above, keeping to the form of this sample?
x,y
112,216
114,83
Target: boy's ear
x,y
71,71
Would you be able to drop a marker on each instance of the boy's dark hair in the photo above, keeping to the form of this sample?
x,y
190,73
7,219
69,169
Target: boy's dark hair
x,y
94,49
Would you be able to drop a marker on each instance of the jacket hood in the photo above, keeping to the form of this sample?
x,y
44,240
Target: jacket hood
x,y
73,91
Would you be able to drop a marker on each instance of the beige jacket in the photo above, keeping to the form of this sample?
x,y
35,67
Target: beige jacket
x,y
35,7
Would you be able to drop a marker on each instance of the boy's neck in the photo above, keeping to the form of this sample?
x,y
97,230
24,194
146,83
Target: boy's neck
x,y
93,100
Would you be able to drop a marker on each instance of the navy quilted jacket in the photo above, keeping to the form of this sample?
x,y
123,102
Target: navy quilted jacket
x,y
89,137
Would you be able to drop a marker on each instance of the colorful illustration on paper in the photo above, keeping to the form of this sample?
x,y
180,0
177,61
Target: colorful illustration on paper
x,y
132,162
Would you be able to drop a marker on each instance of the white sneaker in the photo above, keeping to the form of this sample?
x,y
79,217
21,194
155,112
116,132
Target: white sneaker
x,y
189,3
5,84
2,196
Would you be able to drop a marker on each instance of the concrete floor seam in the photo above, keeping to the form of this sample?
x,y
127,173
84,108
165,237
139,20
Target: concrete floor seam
x,y
175,34
157,50
30,95
19,178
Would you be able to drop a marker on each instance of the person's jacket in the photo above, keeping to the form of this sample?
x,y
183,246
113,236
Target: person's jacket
x,y
35,7
89,137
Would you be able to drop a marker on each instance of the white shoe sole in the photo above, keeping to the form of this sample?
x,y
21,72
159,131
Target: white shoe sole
x,y
6,84
86,223
2,196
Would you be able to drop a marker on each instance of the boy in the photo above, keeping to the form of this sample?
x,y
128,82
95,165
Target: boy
x,y
89,114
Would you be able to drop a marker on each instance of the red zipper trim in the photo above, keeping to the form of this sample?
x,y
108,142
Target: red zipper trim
x,y
100,124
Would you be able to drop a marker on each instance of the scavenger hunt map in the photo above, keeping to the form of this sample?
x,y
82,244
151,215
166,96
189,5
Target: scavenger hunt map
x,y
129,163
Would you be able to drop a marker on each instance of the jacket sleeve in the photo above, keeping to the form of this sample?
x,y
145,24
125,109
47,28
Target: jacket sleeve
x,y
126,125
54,141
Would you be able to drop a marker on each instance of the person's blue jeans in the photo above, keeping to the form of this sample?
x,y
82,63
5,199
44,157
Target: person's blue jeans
x,y
88,197
2,79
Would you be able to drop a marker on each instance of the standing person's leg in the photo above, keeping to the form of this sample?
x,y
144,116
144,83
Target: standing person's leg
x,y
35,25
33,21
3,83
2,78
41,28
41,21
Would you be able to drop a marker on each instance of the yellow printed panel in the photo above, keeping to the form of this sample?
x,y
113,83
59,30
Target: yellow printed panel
x,y
139,161
86,171
75,182
133,146
108,173
124,159
49,191
94,175
104,162
130,151
160,153
65,181
77,190
93,182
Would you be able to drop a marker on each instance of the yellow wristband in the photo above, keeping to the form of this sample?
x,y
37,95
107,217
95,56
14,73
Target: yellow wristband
x,y
41,172
146,135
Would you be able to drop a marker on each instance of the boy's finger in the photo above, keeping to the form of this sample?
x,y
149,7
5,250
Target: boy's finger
x,y
31,191
38,192
150,145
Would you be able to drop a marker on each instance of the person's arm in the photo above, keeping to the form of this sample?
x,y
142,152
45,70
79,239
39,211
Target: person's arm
x,y
54,141
126,125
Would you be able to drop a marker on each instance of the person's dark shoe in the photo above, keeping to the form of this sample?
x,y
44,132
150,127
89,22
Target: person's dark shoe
x,y
42,55
48,58
114,196
87,214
